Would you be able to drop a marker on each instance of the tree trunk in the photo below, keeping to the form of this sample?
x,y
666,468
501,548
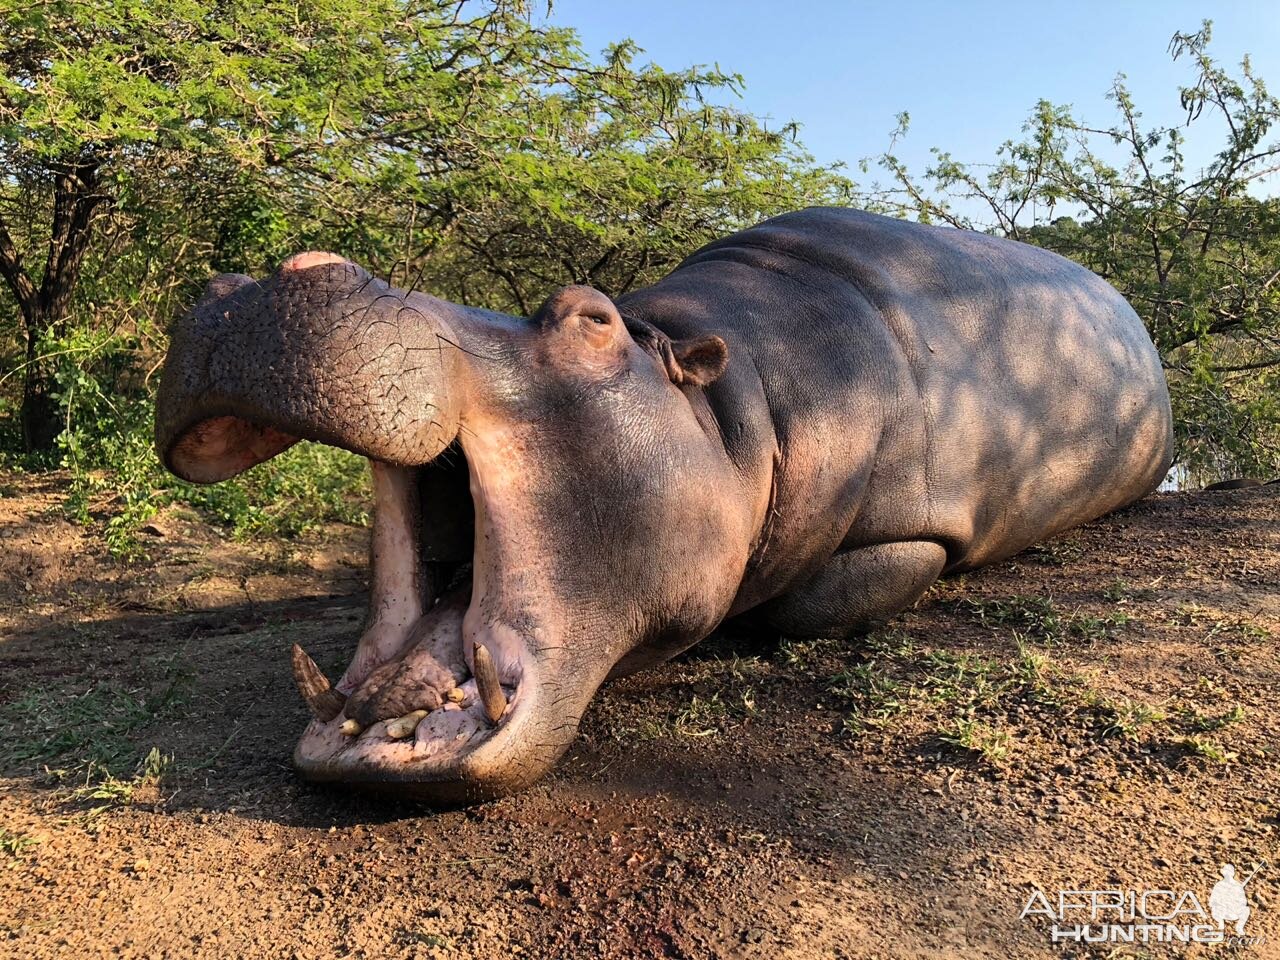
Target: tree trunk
x,y
44,308
39,415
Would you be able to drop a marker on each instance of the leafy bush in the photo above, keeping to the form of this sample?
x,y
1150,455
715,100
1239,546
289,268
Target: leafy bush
x,y
305,485
144,147
116,478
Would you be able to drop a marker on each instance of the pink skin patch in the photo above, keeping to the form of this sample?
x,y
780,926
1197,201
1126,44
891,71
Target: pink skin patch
x,y
312,258
222,447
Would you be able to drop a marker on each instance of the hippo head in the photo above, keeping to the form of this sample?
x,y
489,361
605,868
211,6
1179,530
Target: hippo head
x,y
554,504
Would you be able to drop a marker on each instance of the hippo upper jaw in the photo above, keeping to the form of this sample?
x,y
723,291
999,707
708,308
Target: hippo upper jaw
x,y
319,351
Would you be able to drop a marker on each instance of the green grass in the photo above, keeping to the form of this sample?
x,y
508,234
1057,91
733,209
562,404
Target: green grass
x,y
706,716
1055,553
1209,750
108,792
85,733
978,738
1040,619
963,695
1199,722
1128,718
1122,591
15,844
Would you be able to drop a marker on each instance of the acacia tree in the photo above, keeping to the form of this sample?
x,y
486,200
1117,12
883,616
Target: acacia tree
x,y
147,142
1197,252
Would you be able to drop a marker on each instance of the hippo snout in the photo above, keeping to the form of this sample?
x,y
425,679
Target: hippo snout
x,y
320,350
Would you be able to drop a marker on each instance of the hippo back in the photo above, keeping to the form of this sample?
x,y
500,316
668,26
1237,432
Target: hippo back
x,y
923,382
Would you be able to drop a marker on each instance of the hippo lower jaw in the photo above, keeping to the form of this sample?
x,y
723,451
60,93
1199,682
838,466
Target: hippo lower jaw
x,y
418,716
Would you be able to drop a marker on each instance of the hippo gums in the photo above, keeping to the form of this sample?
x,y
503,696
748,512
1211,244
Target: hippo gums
x,y
803,426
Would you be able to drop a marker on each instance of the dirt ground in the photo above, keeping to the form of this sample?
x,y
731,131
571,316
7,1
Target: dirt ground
x,y
1095,714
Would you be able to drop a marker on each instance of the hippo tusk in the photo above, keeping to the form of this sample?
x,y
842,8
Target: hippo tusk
x,y
487,684
324,702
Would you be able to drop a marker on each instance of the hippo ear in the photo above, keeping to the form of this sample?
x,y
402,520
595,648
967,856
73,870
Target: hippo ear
x,y
700,360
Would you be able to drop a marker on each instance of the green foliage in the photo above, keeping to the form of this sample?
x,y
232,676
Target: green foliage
x,y
15,844
107,792
307,484
981,739
1040,619
83,730
1194,251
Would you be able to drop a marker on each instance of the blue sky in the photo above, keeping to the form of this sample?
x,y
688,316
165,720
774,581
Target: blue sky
x,y
967,72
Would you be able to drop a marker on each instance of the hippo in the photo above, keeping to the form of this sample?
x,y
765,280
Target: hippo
x,y
800,429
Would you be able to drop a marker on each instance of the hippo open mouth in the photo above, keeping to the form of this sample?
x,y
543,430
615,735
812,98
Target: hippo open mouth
x,y
454,689
433,688
430,683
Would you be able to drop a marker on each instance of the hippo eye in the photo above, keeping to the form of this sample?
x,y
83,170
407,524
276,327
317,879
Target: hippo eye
x,y
603,321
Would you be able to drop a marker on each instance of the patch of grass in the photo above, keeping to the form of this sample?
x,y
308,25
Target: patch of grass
x,y
964,694
1209,750
15,844
1218,623
874,697
1055,553
1122,591
699,717
963,678
107,792
1039,618
985,741
1199,722
806,655
1128,718
710,716
869,689
89,731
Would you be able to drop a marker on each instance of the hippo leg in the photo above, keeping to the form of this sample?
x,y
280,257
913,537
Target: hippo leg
x,y
858,588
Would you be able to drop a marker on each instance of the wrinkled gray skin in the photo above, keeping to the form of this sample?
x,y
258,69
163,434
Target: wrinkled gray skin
x,y
803,425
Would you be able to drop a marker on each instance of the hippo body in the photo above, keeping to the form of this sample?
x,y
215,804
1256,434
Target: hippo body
x,y
803,425
919,400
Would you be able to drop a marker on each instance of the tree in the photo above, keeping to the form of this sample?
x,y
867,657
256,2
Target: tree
x,y
144,143
1197,252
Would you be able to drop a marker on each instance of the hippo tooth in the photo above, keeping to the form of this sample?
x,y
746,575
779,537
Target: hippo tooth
x,y
324,701
487,684
350,728
404,726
